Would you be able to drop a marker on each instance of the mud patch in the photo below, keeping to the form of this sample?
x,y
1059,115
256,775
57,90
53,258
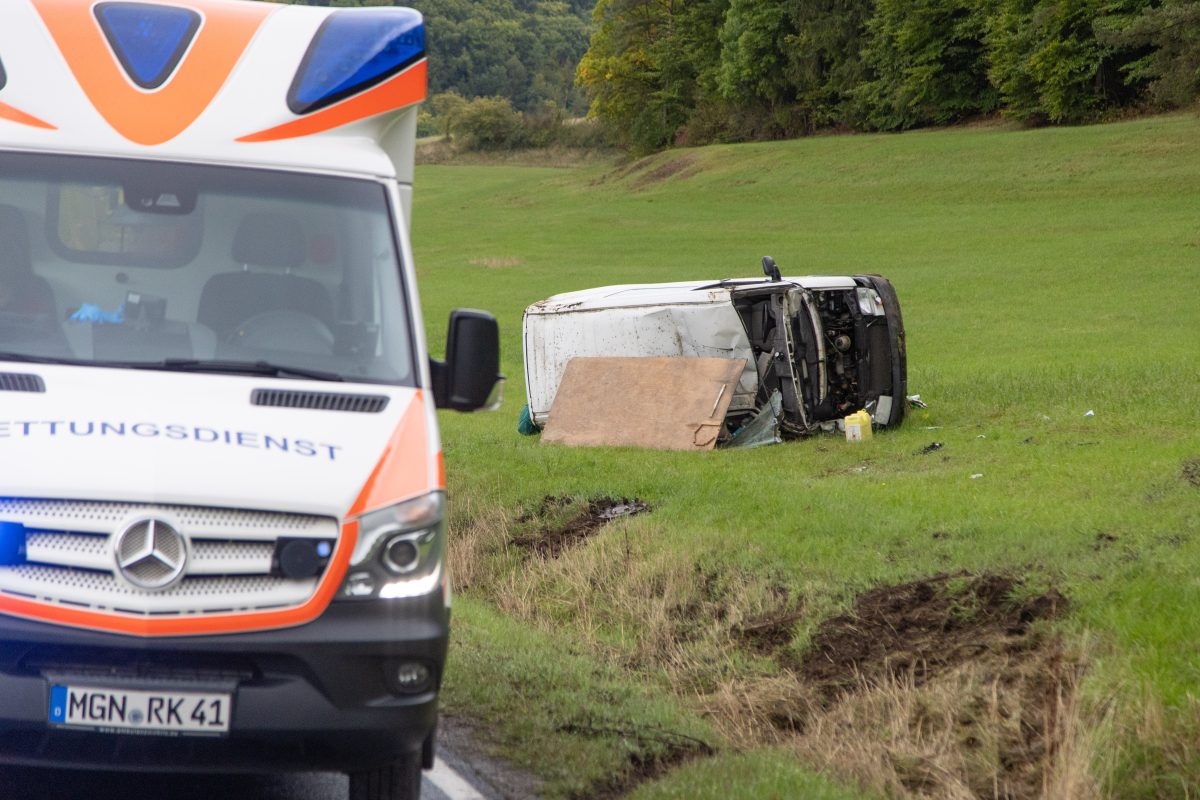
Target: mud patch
x,y
1190,472
769,634
680,166
919,630
562,522
943,687
652,754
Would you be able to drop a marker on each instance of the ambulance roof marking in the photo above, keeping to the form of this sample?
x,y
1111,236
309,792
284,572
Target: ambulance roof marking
x,y
152,118
16,115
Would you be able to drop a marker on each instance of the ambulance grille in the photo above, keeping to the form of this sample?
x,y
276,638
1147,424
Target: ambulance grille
x,y
69,557
21,382
320,401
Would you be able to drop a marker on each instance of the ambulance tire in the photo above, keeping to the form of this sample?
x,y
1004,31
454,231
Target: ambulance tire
x,y
400,780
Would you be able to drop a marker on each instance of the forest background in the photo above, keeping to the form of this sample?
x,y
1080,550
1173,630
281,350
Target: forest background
x,y
656,73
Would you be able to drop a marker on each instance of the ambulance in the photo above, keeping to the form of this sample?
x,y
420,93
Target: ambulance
x,y
222,491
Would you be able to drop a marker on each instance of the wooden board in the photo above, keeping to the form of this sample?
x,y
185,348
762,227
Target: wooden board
x,y
667,403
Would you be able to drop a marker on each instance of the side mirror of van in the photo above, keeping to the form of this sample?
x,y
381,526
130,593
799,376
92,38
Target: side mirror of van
x,y
469,379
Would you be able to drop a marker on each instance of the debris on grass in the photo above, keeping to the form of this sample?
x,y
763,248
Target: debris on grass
x,y
914,400
565,521
932,447
976,476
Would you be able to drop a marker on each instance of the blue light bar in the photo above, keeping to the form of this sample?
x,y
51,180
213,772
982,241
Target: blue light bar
x,y
148,40
353,51
12,543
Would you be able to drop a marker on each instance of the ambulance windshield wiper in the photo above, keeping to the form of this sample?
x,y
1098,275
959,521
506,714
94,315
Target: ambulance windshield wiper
x,y
237,368
26,358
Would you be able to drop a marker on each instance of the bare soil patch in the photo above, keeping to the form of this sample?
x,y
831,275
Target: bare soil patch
x,y
665,170
941,688
921,629
562,522
1190,472
770,633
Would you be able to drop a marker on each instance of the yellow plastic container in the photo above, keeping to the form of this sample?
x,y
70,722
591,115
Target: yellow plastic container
x,y
858,426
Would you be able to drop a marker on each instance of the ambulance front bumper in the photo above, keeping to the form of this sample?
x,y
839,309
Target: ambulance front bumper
x,y
321,696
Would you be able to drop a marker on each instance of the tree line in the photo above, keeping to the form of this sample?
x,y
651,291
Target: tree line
x,y
660,72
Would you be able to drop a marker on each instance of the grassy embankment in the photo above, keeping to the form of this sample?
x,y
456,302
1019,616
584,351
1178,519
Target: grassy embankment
x,y
1042,274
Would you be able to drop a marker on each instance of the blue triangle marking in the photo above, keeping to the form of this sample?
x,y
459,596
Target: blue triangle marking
x,y
149,40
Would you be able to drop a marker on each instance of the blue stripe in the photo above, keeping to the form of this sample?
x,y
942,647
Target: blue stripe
x,y
58,704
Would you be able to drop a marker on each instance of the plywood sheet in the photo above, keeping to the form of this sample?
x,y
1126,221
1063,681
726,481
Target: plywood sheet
x,y
661,403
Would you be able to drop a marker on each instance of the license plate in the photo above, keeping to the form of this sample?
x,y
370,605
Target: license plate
x,y
147,712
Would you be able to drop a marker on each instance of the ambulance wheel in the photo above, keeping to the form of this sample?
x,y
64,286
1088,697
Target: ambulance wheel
x,y
400,780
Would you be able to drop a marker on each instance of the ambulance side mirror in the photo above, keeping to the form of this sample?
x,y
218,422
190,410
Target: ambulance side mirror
x,y
469,379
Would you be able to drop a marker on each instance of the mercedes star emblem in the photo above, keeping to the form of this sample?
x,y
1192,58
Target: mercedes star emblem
x,y
151,554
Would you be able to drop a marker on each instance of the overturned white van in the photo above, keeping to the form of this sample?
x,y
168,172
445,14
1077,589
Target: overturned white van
x,y
830,345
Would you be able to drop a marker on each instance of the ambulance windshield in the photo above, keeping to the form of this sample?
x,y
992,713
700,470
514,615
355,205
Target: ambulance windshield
x,y
164,265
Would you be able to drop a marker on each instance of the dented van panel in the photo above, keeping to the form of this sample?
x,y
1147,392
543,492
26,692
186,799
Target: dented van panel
x,y
828,345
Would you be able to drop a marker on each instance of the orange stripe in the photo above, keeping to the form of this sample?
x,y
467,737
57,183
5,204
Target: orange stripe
x,y
403,470
194,626
402,90
151,118
16,115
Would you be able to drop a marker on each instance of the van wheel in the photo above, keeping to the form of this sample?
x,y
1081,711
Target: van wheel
x,y
400,780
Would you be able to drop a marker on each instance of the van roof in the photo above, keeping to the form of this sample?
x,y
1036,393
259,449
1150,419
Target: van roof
x,y
226,81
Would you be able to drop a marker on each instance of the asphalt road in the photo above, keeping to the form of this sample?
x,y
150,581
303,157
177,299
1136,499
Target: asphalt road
x,y
463,772
44,784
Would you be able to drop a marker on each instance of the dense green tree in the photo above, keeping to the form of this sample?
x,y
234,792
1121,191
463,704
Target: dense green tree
x,y
1166,39
1050,65
754,55
927,60
824,52
637,83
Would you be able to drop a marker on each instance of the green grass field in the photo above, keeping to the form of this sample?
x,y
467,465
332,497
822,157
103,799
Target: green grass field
x,y
1042,274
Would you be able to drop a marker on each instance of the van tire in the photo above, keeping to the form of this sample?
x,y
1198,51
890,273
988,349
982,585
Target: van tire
x,y
400,780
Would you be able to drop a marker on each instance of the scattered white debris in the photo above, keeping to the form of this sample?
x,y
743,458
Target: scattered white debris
x,y
915,401
1090,413
981,436
976,476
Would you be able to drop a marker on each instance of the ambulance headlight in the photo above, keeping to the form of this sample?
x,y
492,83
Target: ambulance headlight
x,y
399,551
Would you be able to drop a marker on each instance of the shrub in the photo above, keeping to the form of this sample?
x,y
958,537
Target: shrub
x,y
491,123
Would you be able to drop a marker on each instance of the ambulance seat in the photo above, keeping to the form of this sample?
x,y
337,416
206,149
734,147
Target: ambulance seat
x,y
267,247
